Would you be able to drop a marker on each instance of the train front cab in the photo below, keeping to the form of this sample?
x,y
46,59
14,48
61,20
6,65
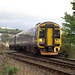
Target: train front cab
x,y
49,38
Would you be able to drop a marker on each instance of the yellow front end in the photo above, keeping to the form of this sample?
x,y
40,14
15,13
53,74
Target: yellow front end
x,y
49,43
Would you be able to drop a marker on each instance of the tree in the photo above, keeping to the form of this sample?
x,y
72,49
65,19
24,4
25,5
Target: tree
x,y
73,3
5,37
69,26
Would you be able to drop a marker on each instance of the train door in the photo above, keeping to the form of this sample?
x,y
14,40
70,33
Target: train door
x,y
50,35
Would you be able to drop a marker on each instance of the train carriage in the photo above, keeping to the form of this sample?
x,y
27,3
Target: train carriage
x,y
44,38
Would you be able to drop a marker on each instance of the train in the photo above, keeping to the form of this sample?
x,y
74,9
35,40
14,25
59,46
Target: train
x,y
44,38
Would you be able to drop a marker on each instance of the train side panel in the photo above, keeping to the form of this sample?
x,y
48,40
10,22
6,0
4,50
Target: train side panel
x,y
26,40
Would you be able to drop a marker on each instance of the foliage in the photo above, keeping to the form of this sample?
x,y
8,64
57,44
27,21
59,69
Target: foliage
x,y
11,71
5,37
69,27
73,6
6,70
68,35
67,50
10,31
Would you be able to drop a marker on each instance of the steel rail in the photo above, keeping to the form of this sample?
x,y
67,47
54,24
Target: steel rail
x,y
66,64
54,62
41,66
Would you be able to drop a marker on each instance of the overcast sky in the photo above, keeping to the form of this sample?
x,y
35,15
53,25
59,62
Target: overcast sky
x,y
23,14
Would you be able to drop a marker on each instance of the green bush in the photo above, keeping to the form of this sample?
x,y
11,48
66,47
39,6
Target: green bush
x,y
11,71
68,50
65,48
72,54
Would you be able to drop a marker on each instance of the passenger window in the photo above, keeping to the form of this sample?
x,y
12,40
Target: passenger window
x,y
41,33
57,34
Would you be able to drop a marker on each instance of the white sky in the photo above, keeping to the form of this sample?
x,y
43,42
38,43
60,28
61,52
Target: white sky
x,y
37,8
46,8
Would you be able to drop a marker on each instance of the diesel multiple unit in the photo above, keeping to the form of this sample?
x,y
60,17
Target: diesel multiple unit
x,y
44,39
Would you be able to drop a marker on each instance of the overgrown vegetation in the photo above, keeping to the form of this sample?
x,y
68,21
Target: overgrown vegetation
x,y
11,71
5,37
68,35
5,68
69,51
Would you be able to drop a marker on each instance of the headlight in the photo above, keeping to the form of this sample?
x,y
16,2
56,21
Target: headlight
x,y
41,39
57,40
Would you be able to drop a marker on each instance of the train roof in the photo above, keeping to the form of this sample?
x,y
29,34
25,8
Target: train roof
x,y
38,24
46,22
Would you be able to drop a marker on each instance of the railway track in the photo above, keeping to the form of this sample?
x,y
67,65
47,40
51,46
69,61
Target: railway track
x,y
65,59
63,66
